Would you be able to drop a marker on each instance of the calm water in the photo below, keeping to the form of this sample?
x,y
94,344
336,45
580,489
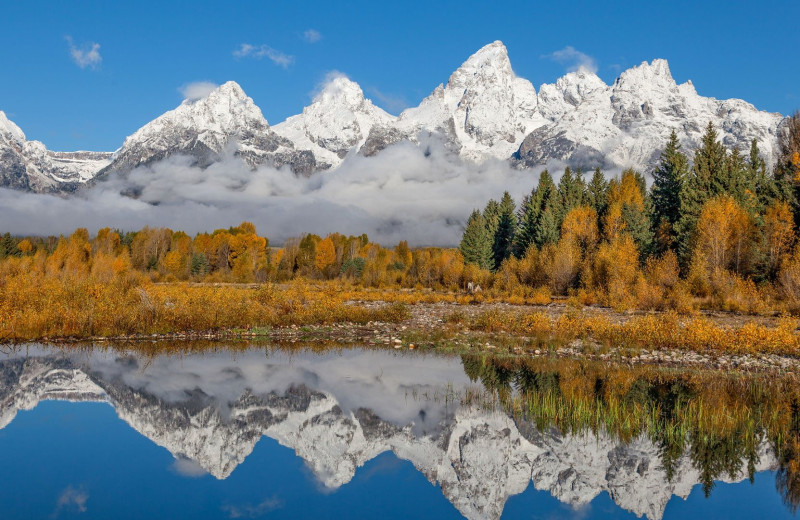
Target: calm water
x,y
351,434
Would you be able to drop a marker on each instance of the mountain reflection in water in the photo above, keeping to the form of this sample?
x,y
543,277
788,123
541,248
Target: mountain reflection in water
x,y
481,429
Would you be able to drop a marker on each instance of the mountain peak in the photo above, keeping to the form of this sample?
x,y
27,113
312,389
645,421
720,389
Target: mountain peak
x,y
492,52
232,89
654,73
340,90
338,120
228,94
489,60
583,78
8,127
224,109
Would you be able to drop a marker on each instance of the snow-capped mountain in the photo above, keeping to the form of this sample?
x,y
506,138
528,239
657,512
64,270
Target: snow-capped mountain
x,y
226,121
29,166
338,121
483,111
479,458
627,123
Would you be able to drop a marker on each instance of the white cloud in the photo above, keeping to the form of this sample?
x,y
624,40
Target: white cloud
x,y
188,468
251,511
422,194
375,380
277,57
326,83
312,36
87,55
573,58
72,498
197,89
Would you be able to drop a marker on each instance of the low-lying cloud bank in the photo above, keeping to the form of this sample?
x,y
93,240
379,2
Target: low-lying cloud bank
x,y
422,194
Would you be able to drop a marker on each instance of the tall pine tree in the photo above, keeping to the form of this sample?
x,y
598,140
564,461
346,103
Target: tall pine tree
x,y
668,179
539,217
491,216
706,179
571,188
551,213
787,170
506,229
8,246
764,184
527,217
737,183
597,192
476,243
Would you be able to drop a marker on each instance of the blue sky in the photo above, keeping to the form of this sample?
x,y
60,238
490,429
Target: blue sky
x,y
130,59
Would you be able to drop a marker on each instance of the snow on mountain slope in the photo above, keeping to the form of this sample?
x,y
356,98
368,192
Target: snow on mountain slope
x,y
336,122
485,109
226,121
626,124
29,166
560,98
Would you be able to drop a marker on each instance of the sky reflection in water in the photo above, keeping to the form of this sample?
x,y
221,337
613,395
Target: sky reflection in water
x,y
356,434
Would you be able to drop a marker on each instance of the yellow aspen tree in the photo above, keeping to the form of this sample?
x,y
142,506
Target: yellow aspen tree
x,y
172,263
580,226
723,234
796,164
778,233
122,263
326,255
25,246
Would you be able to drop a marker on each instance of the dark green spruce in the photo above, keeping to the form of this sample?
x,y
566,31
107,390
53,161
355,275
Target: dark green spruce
x,y
476,243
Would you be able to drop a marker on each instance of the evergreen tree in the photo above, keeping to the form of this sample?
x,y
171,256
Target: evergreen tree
x,y
787,170
476,244
764,185
668,179
705,180
506,229
491,216
546,193
597,192
571,189
737,183
8,246
531,230
307,252
199,265
523,207
548,228
527,217
637,223
547,199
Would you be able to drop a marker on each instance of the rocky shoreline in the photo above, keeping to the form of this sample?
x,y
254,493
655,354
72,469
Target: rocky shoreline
x,y
428,328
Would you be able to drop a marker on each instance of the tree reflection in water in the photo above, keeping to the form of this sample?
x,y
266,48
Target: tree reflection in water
x,y
719,419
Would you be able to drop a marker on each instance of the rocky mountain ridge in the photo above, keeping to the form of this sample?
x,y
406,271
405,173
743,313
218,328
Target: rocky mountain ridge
x,y
29,166
484,111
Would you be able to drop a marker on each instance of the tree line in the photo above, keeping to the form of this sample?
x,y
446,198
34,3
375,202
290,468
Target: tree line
x,y
717,231
721,221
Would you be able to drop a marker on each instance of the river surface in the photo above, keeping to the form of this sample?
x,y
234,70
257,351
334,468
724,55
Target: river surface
x,y
354,433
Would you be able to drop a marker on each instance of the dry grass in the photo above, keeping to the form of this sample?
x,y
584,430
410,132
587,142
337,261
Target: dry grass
x,y
33,308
